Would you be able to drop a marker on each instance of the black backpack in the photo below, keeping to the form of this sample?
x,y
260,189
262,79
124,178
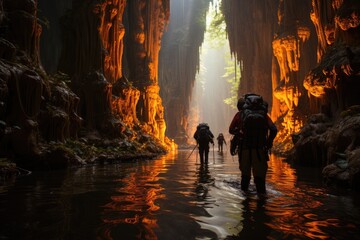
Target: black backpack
x,y
254,121
203,134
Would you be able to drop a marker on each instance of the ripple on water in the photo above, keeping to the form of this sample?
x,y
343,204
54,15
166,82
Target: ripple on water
x,y
174,198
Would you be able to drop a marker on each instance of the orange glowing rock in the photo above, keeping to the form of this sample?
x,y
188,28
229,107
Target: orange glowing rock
x,y
287,50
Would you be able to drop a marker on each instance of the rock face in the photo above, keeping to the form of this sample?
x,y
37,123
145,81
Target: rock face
x,y
92,33
275,49
250,27
179,62
93,55
147,22
333,146
293,51
94,86
33,107
334,82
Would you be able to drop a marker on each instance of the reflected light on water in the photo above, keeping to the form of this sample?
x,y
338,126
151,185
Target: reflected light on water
x,y
134,202
290,208
175,198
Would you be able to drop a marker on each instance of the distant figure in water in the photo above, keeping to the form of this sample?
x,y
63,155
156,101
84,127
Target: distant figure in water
x,y
221,141
203,137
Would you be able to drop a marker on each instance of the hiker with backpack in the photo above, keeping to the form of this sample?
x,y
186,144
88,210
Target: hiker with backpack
x,y
203,137
256,132
221,140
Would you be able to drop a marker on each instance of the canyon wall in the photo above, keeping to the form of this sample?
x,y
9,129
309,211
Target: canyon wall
x,y
307,53
77,78
296,36
179,62
34,106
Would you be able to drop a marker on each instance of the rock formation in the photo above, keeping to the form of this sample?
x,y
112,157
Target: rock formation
x,y
179,62
90,89
250,27
293,47
143,55
96,44
334,82
33,105
313,68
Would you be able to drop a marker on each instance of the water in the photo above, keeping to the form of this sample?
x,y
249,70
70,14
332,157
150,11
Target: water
x,y
175,198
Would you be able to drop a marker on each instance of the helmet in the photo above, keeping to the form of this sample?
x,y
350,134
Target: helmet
x,y
240,103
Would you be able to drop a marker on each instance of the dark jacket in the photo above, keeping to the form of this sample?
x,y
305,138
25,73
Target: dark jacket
x,y
204,141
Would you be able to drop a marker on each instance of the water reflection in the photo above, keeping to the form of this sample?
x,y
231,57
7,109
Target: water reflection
x,y
132,204
292,204
175,198
203,181
254,221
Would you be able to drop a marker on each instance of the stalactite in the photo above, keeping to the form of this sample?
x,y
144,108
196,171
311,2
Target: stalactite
x,y
337,66
288,52
289,49
333,88
112,31
274,41
35,106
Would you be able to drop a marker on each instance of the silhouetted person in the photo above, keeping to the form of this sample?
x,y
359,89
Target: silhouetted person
x,y
257,133
221,141
203,137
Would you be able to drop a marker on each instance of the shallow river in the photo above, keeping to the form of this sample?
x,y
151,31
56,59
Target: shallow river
x,y
175,198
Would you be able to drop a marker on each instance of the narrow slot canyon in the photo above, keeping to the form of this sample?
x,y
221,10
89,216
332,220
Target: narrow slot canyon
x,y
112,94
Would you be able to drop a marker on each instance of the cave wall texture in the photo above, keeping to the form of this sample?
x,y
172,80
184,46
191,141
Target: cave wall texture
x,y
95,69
297,54
274,42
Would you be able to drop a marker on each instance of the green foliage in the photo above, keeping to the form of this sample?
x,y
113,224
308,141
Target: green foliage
x,y
216,29
216,37
234,79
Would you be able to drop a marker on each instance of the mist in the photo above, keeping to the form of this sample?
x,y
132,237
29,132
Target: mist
x,y
211,87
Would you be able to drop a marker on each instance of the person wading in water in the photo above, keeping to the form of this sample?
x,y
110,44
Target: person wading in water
x,y
256,132
203,137
221,140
